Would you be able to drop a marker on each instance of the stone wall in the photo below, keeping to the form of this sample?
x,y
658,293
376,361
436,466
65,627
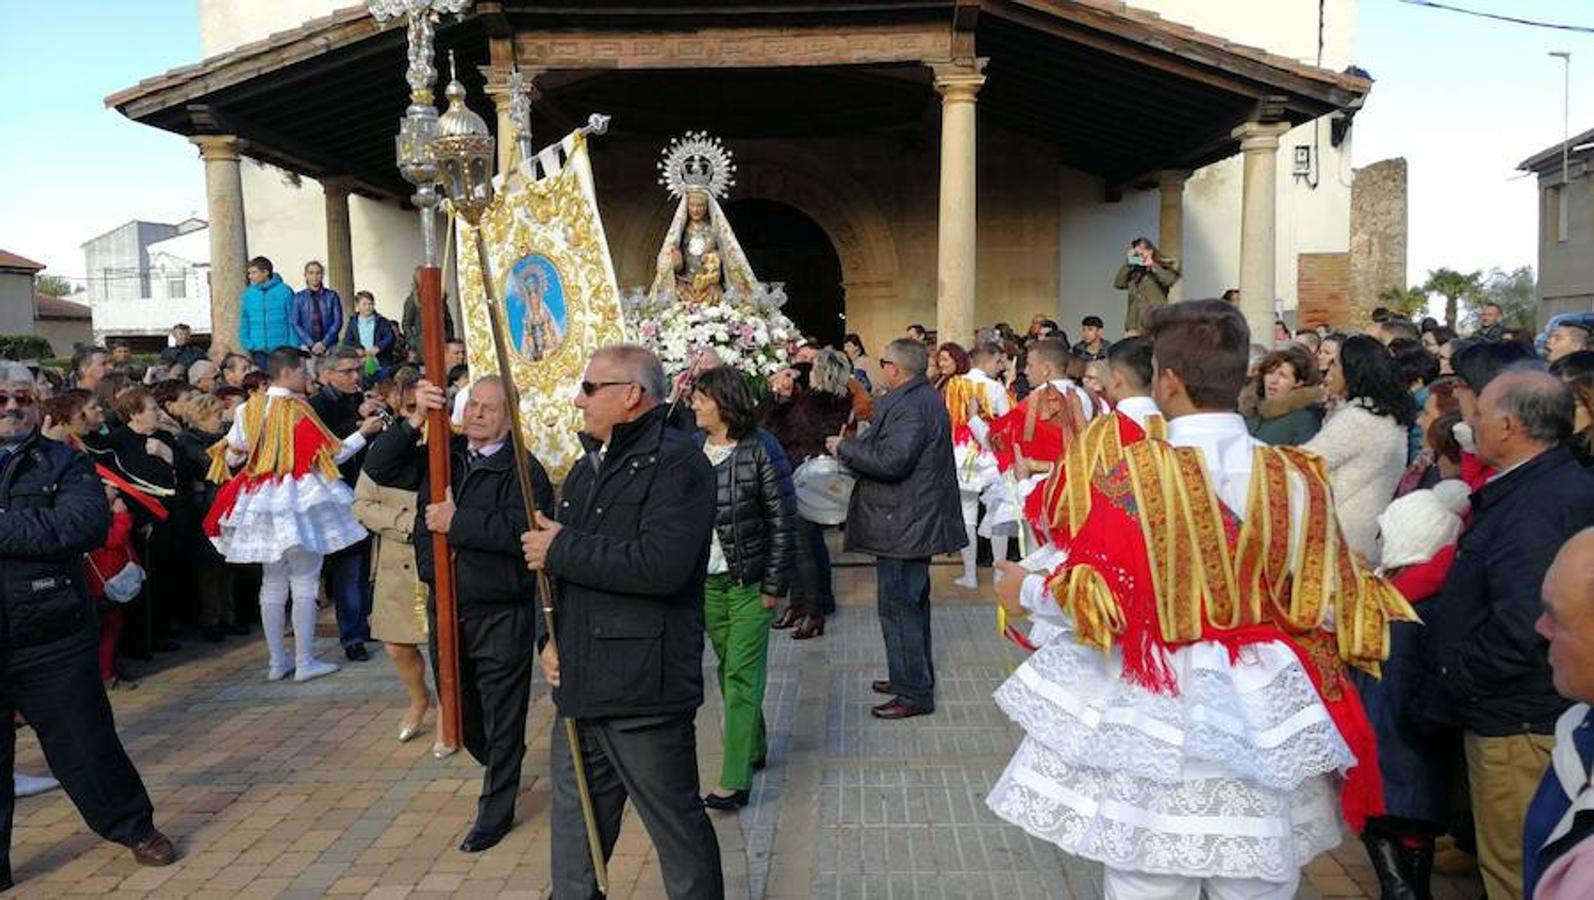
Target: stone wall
x,y
1377,235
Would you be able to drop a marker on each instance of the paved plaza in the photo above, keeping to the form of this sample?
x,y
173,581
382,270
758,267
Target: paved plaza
x,y
283,790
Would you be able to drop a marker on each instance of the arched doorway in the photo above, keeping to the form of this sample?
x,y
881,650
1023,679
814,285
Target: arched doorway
x,y
784,244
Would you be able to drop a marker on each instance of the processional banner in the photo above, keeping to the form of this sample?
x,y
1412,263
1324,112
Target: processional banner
x,y
549,261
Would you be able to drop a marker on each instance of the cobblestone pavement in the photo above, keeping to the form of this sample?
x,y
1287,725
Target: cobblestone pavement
x,y
283,790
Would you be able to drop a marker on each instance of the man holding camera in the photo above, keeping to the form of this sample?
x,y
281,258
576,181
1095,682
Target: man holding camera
x,y
342,405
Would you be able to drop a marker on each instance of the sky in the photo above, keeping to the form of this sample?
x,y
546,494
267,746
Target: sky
x,y
1462,99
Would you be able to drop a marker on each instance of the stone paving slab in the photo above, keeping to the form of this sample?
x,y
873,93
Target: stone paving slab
x,y
284,790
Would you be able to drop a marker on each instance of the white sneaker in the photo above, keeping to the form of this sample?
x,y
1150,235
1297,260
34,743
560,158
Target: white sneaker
x,y
315,668
969,582
29,785
278,670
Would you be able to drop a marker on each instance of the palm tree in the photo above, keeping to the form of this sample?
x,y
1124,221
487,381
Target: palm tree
x,y
1408,302
1454,287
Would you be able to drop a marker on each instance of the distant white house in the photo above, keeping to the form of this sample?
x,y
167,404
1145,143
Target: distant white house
x,y
145,277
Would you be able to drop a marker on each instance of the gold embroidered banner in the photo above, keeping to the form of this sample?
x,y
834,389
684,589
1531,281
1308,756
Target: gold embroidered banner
x,y
549,260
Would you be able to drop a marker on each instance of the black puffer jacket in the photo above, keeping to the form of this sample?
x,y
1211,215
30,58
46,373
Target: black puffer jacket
x,y
755,512
52,512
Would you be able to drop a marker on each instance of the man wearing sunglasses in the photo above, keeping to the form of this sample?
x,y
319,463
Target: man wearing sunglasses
x,y
629,556
52,512
904,510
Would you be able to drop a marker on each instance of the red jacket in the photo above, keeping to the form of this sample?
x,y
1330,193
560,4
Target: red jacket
x,y
113,556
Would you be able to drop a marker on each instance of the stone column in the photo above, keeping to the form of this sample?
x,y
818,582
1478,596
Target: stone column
x,y
1170,222
497,88
340,242
224,203
956,248
1259,144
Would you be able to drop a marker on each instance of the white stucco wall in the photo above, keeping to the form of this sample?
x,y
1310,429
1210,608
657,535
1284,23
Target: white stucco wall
x,y
225,24
1310,219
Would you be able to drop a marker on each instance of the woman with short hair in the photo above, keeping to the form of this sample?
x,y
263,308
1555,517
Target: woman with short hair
x,y
1286,405
749,567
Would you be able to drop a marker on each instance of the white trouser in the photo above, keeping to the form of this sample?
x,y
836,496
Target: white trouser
x,y
298,573
1121,884
970,502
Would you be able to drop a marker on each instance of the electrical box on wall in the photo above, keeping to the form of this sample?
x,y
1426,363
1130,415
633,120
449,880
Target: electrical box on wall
x,y
1303,160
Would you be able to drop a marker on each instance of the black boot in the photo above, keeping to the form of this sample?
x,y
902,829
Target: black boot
x,y
1389,863
1417,855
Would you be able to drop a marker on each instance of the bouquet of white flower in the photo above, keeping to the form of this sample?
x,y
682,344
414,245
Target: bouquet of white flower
x,y
749,334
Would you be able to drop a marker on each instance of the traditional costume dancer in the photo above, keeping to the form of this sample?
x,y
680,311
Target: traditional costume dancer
x,y
1196,731
286,508
973,401
1030,437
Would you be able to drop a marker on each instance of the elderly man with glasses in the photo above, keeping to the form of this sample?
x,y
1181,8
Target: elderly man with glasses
x,y
343,406
53,511
904,510
629,558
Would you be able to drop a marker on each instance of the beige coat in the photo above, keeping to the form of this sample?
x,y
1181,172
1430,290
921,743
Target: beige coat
x,y
398,607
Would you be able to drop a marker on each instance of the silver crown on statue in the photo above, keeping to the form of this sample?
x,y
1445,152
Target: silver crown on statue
x,y
696,162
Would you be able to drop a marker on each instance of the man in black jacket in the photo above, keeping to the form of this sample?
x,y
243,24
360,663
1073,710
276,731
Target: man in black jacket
x,y
497,597
904,510
1490,664
629,556
343,408
53,511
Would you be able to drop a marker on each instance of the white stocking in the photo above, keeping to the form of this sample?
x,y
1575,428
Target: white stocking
x,y
273,610
304,570
970,502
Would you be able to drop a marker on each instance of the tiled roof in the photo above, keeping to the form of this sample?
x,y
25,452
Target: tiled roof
x,y
9,260
47,307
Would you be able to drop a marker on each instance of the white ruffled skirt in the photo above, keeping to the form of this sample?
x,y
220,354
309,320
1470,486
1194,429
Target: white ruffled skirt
x,y
1234,776
270,518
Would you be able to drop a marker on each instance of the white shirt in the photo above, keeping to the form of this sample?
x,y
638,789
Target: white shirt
x,y
238,441
1226,447
1139,409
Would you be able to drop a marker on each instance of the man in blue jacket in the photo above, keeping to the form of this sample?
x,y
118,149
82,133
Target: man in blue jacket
x,y
317,312
1491,665
265,312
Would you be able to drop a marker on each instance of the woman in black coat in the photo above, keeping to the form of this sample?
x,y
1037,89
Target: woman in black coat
x,y
750,560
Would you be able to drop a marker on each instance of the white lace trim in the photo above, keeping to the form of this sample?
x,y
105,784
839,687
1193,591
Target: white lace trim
x,y
1200,827
1258,719
270,518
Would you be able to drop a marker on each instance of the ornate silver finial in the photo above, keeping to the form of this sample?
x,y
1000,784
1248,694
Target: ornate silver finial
x,y
423,16
697,162
458,120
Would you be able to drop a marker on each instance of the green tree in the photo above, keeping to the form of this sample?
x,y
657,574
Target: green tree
x,y
1515,292
1454,287
52,286
1409,302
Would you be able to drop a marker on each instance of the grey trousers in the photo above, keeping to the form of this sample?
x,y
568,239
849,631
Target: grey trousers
x,y
652,762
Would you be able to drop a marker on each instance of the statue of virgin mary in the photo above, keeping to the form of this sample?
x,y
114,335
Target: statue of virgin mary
x,y
700,258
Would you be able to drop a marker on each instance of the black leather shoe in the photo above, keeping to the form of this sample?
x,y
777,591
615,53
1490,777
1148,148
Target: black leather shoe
x,y
357,653
898,709
154,850
734,800
482,838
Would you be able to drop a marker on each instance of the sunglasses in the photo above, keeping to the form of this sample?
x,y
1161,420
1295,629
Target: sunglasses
x,y
22,400
588,388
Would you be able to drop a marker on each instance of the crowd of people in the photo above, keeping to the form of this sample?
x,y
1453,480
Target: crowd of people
x,y
222,488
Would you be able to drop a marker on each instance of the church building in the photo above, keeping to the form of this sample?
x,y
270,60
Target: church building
x,y
953,163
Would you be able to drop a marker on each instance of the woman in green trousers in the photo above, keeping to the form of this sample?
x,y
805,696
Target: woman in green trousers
x,y
750,561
